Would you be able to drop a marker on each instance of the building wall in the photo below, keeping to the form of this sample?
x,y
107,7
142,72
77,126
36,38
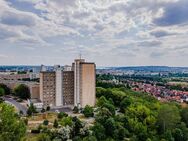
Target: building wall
x,y
77,80
68,88
88,82
14,76
35,91
59,89
48,88
41,86
33,86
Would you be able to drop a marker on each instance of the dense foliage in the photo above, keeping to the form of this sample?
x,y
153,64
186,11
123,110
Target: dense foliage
x,y
22,91
139,117
88,111
2,92
120,115
31,110
12,128
7,90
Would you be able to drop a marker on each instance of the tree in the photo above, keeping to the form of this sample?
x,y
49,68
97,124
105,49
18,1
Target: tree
x,y
110,127
90,138
66,121
75,110
88,111
61,115
100,91
31,110
168,135
6,88
48,108
56,123
184,115
12,128
45,122
99,131
102,100
43,110
65,133
41,137
178,134
1,100
124,104
22,91
103,115
2,92
168,118
77,125
21,112
120,132
110,107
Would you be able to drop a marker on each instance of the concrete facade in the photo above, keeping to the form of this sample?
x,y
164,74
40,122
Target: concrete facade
x,y
71,86
59,89
68,88
88,82
48,88
84,83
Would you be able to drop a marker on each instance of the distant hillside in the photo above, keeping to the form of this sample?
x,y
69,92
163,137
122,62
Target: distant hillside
x,y
150,68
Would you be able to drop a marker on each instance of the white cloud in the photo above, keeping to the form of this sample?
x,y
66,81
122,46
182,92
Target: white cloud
x,y
97,28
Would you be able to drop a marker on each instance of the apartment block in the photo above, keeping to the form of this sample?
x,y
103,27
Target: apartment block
x,y
48,88
69,86
84,83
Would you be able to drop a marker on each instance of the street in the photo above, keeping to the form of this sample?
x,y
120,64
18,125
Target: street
x,y
16,104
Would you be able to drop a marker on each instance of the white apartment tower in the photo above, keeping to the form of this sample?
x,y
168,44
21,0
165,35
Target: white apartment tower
x,y
59,90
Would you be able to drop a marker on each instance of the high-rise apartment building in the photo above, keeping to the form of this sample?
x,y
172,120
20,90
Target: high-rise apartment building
x,y
84,83
48,88
71,86
68,88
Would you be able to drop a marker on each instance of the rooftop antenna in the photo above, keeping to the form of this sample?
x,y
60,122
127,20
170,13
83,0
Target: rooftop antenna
x,y
80,56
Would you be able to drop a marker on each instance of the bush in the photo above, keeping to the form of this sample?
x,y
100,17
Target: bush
x,y
62,114
2,92
42,137
88,111
22,91
31,110
6,89
48,108
45,122
66,121
55,123
26,121
21,112
43,110
75,110
1,100
124,104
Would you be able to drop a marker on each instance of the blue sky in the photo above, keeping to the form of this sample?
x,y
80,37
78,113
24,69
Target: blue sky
x,y
108,32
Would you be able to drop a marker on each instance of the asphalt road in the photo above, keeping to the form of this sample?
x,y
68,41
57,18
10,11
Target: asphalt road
x,y
16,104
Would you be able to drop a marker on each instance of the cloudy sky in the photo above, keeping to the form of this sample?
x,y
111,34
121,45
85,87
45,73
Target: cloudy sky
x,y
108,32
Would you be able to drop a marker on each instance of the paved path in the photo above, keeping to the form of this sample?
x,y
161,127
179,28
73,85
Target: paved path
x,y
19,106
